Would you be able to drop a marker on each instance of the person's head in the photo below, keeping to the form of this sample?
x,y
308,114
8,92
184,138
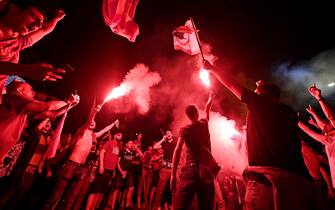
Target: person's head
x,y
149,149
169,134
65,139
46,126
21,88
92,125
130,144
192,112
118,136
267,89
23,16
139,137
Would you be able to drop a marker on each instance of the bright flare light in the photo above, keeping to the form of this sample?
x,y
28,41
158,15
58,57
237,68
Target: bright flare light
x,y
331,84
228,130
117,92
204,76
222,129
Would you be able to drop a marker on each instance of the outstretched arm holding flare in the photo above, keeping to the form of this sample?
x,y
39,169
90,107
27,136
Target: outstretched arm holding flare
x,y
229,82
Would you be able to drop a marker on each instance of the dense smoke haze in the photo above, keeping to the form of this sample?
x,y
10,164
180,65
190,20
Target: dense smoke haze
x,y
294,80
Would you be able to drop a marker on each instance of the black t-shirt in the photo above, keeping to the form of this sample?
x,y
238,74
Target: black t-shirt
x,y
168,148
272,134
127,157
196,136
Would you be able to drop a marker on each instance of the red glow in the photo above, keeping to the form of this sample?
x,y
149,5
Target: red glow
x,y
204,76
117,92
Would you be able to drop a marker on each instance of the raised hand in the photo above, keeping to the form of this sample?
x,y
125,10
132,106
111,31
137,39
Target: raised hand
x,y
117,123
310,110
73,99
44,71
50,25
311,121
98,108
315,92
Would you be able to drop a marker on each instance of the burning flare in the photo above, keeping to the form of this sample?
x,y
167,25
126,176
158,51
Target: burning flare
x,y
117,92
204,76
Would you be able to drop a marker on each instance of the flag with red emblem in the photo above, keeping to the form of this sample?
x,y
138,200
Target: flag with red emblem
x,y
184,39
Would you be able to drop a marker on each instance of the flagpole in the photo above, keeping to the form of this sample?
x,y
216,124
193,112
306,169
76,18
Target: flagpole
x,y
199,43
198,39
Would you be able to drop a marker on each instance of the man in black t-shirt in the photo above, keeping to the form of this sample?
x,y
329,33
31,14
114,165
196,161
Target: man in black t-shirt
x,y
167,143
125,166
274,149
198,151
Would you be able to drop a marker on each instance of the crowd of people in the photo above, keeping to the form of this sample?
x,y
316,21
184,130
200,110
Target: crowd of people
x,y
44,167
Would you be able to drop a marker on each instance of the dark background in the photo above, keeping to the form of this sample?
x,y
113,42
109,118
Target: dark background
x,y
252,36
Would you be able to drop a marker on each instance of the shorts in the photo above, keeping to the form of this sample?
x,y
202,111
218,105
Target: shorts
x,y
155,178
124,183
102,182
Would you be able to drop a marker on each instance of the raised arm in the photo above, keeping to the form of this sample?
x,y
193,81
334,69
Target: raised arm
x,y
311,121
107,128
47,27
40,71
40,106
316,93
175,162
51,109
311,133
91,117
226,80
158,144
209,104
320,122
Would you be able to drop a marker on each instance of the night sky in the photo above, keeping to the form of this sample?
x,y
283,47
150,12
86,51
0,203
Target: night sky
x,y
252,36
